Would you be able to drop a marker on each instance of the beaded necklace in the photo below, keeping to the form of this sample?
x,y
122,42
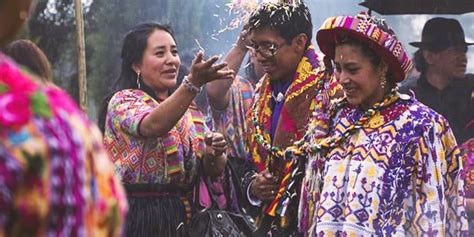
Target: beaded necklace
x,y
334,141
274,151
304,144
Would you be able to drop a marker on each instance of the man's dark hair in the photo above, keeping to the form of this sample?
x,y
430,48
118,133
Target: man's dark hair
x,y
288,19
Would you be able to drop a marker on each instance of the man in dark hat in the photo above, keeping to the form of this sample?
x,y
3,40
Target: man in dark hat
x,y
443,84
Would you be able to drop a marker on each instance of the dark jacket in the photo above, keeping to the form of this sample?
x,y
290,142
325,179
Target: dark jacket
x,y
455,102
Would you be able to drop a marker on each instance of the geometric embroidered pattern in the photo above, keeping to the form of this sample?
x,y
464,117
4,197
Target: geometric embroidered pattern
x,y
397,175
151,160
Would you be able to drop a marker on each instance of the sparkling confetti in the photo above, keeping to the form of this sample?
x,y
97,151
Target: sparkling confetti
x,y
199,46
240,11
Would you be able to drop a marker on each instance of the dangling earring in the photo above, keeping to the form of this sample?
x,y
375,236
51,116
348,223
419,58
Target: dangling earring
x,y
23,15
383,81
138,80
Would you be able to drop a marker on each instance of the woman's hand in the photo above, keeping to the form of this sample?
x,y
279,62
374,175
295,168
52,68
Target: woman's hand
x,y
203,71
215,159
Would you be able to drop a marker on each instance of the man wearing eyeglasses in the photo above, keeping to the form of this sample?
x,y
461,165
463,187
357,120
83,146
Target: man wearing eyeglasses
x,y
295,83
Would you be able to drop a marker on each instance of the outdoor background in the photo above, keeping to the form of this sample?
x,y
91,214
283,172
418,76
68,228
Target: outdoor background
x,y
196,23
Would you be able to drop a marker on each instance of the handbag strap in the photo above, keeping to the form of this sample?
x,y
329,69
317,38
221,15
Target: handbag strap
x,y
207,181
234,180
202,175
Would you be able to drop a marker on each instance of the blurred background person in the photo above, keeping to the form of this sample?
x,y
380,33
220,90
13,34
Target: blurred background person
x,y
443,84
55,176
29,55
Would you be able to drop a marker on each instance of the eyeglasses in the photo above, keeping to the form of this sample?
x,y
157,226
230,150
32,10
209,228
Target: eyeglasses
x,y
267,51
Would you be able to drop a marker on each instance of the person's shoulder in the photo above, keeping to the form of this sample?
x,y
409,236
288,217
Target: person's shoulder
x,y
23,97
469,80
122,96
422,116
411,83
240,81
129,92
242,84
29,108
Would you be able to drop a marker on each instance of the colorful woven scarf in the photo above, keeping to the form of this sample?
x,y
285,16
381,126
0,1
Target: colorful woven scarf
x,y
300,101
190,129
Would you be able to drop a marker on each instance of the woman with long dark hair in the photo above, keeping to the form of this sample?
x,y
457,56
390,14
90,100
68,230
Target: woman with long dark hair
x,y
157,138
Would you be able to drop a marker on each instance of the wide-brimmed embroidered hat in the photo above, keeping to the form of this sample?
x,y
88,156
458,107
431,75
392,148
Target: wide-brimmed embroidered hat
x,y
441,33
372,31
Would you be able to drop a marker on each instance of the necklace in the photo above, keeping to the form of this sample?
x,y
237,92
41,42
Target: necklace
x,y
304,144
328,143
279,98
259,136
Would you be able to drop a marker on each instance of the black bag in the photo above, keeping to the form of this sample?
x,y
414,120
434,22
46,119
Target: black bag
x,y
212,222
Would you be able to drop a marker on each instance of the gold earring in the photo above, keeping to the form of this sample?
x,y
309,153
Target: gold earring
x,y
383,81
23,15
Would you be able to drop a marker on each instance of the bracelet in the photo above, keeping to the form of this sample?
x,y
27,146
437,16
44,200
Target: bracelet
x,y
190,87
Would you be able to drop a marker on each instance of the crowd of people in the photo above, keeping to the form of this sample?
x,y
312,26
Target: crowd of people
x,y
307,143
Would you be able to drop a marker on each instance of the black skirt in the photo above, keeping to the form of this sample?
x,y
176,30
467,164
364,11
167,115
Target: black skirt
x,y
157,212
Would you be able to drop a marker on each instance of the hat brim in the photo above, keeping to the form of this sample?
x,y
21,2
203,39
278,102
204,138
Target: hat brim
x,y
420,44
327,45
416,44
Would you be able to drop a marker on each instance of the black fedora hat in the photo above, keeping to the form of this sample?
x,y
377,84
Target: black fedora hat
x,y
441,33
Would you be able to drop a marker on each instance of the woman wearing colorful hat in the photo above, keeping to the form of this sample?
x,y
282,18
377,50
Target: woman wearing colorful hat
x,y
390,166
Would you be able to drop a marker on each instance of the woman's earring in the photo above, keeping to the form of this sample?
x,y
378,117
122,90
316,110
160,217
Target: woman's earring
x,y
383,81
138,80
23,15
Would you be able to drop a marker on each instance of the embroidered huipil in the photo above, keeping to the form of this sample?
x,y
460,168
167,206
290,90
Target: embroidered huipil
x,y
55,176
170,159
468,162
399,175
468,158
231,121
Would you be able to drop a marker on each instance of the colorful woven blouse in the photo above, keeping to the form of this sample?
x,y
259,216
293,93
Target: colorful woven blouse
x,y
231,121
468,161
398,175
468,156
55,176
170,159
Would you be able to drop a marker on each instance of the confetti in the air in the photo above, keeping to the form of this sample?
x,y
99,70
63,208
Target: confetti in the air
x,y
199,45
240,11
